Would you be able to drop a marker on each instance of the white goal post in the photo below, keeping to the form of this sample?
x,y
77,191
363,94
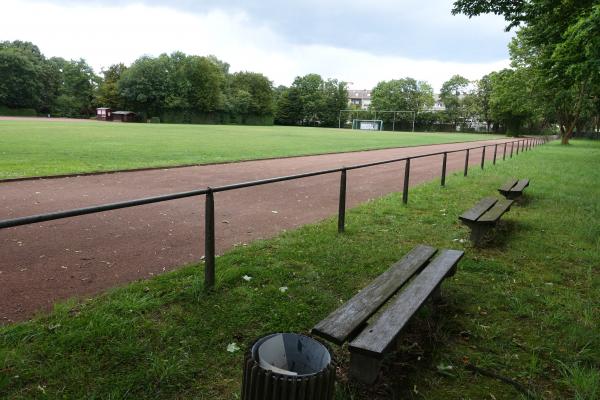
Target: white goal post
x,y
372,115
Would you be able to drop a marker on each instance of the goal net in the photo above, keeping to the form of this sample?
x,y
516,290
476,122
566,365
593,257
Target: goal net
x,y
367,124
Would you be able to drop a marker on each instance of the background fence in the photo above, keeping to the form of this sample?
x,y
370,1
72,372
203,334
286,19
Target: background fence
x,y
504,150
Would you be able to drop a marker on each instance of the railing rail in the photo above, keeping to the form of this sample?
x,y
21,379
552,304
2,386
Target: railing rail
x,y
525,144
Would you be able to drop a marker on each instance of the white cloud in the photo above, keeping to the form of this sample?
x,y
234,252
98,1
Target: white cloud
x,y
104,35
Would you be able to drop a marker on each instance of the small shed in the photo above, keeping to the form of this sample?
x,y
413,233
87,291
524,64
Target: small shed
x,y
123,116
103,114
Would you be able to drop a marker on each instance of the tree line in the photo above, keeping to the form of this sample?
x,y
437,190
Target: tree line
x,y
553,83
173,87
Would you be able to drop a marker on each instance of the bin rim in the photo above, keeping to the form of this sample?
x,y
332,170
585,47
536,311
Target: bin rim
x,y
253,352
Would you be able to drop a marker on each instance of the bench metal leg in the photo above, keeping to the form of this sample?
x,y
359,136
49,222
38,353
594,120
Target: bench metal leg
x,y
364,368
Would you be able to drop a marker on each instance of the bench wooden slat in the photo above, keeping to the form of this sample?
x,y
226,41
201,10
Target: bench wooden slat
x,y
508,185
520,186
478,209
341,323
493,214
375,339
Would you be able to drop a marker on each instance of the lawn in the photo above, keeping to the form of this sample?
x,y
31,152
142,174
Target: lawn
x,y
31,148
524,308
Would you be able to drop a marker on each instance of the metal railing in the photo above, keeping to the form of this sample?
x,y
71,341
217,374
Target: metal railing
x,y
209,226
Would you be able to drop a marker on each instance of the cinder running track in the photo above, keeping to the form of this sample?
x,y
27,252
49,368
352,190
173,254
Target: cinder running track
x,y
82,256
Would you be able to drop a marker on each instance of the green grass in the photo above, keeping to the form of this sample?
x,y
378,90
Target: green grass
x,y
30,148
525,307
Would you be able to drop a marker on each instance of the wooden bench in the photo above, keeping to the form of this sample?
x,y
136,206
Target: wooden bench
x,y
484,215
368,339
513,188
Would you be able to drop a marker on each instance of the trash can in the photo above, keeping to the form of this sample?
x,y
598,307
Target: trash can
x,y
284,366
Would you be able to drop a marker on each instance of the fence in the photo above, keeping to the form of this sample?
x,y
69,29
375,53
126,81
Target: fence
x,y
209,226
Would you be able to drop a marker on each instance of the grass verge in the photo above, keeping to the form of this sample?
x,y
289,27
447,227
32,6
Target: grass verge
x,y
32,148
525,308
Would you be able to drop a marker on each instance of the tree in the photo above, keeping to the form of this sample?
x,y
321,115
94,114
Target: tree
x,y
20,86
311,101
483,94
453,94
108,94
405,94
288,110
27,79
76,90
251,93
558,39
509,102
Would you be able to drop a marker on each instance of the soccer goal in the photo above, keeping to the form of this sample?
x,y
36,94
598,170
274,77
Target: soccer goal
x,y
367,124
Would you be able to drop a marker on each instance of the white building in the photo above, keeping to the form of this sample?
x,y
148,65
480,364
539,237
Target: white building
x,y
360,98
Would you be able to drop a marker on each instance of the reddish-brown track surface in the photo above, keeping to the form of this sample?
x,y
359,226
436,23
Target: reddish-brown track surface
x,y
82,256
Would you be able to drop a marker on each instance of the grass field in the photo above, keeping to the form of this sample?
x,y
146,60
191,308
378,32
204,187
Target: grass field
x,y
31,148
524,308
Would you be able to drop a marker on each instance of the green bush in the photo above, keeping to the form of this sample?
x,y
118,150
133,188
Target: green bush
x,y
155,120
17,112
217,118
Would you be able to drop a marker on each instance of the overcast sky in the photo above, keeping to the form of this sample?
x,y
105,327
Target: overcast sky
x,y
361,42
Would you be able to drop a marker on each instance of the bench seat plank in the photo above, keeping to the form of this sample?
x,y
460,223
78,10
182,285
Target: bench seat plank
x,y
520,186
341,323
493,214
508,185
375,339
478,209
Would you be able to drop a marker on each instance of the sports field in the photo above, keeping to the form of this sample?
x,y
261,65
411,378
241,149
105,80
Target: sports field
x,y
523,310
41,148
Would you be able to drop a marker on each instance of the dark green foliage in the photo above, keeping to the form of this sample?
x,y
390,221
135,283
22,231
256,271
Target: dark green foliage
x,y
557,48
108,94
17,112
311,101
56,86
405,94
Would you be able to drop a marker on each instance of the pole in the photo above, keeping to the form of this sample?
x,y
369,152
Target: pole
x,y
512,146
209,241
342,206
406,177
482,157
504,152
394,123
414,117
495,152
466,162
444,169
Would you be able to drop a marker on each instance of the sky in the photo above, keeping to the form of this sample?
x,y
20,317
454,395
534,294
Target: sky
x,y
360,42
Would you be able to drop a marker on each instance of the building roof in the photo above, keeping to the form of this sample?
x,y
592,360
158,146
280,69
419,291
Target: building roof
x,y
363,94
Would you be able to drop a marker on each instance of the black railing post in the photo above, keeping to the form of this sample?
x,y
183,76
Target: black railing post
x,y
483,157
209,241
495,152
342,207
518,145
444,169
406,178
504,152
466,162
512,147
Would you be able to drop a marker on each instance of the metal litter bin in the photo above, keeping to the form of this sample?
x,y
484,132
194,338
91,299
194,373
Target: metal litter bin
x,y
284,366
